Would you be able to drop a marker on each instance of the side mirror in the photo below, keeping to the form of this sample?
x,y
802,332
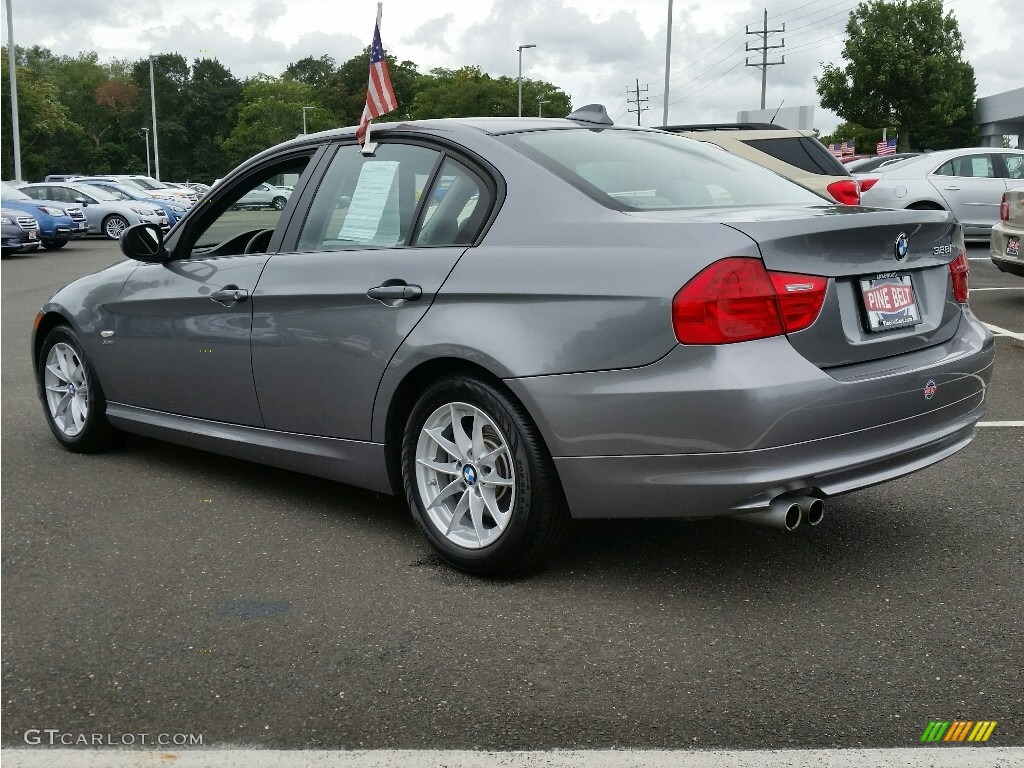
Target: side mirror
x,y
144,242
81,201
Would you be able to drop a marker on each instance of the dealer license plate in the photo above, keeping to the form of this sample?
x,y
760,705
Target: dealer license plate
x,y
889,301
31,234
1013,246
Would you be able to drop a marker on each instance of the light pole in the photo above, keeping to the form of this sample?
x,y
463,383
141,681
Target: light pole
x,y
146,134
14,92
520,49
152,98
540,106
304,110
668,64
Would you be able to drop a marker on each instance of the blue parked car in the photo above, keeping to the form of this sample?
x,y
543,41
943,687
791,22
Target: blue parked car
x,y
173,209
58,222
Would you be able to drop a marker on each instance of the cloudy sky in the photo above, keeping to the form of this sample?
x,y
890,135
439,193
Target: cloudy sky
x,y
593,49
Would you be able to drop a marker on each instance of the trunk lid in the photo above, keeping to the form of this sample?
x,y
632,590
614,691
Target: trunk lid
x,y
857,248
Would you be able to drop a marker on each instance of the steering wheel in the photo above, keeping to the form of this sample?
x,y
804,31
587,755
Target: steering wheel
x,y
259,242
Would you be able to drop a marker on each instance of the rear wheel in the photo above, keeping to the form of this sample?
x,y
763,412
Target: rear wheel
x,y
279,203
53,245
72,397
114,225
479,481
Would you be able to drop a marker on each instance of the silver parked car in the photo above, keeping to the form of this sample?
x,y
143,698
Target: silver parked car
x,y
108,213
514,322
1004,246
968,182
265,196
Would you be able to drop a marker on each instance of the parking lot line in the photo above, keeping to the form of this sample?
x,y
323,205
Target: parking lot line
x,y
1001,423
1012,288
997,331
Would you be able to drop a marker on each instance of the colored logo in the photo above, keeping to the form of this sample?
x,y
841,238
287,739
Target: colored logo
x,y
930,389
469,474
958,730
902,246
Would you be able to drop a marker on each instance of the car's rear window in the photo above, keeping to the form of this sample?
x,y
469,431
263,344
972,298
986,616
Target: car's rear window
x,y
802,152
644,170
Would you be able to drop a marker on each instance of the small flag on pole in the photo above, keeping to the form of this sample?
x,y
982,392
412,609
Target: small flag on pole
x,y
887,147
380,95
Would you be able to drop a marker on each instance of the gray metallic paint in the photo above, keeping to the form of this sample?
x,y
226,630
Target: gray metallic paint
x,y
569,303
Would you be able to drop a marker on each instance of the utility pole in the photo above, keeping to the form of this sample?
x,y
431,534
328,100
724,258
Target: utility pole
x,y
12,65
764,48
668,63
637,100
152,98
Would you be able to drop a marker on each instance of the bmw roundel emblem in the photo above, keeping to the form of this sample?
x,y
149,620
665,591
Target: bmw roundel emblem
x,y
469,474
902,246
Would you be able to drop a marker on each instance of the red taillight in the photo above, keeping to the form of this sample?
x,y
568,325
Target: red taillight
x,y
737,299
866,184
1004,209
958,269
845,191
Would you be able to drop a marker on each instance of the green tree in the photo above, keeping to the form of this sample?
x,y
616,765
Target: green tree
x,y
41,117
211,97
470,92
903,69
270,112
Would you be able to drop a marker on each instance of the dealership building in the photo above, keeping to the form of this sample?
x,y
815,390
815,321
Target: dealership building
x,y
1001,115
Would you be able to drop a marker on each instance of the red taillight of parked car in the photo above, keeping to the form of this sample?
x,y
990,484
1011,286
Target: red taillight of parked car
x,y
845,191
738,299
866,184
1004,209
958,270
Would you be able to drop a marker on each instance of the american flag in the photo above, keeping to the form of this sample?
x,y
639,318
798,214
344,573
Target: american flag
x,y
849,148
887,147
380,95
836,149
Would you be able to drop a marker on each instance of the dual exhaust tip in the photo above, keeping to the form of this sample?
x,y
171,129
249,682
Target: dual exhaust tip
x,y
788,512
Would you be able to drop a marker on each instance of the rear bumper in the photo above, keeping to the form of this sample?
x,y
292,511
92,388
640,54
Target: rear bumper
x,y
1001,235
720,430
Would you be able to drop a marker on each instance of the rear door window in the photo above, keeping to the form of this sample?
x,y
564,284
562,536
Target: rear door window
x,y
801,152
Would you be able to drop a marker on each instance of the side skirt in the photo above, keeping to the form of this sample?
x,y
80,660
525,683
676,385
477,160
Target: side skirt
x,y
347,461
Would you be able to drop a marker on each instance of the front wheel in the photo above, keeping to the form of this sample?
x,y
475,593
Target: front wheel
x,y
479,480
72,398
54,245
114,225
279,203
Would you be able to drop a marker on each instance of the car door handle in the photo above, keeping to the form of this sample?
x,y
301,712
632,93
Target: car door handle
x,y
955,189
229,294
394,293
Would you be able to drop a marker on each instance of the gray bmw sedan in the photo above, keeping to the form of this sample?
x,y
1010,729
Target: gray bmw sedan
x,y
515,322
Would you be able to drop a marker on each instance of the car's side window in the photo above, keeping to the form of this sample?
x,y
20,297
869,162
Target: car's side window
x,y
368,201
968,166
1014,166
456,209
237,224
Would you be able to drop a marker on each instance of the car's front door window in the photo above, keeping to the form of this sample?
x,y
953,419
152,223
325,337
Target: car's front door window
x,y
235,226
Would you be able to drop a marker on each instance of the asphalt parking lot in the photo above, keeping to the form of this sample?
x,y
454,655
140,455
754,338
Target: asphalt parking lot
x,y
160,590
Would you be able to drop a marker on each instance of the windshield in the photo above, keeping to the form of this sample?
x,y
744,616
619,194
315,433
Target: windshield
x,y
12,193
145,182
98,192
646,170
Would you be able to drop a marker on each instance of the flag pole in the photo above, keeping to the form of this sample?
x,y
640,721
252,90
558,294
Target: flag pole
x,y
369,125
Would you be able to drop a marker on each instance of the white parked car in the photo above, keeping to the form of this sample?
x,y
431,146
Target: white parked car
x,y
106,212
265,196
969,182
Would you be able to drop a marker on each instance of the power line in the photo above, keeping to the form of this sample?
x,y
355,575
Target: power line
x,y
764,48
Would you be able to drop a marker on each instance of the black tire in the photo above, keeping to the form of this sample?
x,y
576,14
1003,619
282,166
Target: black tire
x,y
54,245
539,518
94,432
113,226
279,203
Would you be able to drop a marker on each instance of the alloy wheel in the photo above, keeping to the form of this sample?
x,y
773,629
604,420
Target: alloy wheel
x,y
67,389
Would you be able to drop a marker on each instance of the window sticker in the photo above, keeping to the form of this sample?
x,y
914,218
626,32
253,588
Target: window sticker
x,y
373,213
